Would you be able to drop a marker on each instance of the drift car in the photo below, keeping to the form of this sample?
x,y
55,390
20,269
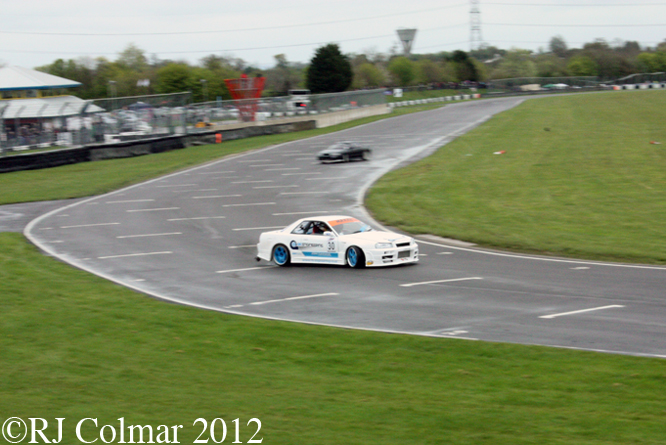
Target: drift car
x,y
341,240
345,152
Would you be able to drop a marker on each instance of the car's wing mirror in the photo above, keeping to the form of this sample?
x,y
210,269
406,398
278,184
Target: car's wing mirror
x,y
328,234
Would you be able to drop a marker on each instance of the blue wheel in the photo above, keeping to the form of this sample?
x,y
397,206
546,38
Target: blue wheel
x,y
281,255
355,257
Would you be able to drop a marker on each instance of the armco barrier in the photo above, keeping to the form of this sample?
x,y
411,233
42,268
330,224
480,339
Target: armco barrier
x,y
55,158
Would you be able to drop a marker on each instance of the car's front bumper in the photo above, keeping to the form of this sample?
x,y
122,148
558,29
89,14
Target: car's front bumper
x,y
389,257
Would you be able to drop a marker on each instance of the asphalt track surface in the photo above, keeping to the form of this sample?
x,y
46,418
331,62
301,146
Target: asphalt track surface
x,y
190,238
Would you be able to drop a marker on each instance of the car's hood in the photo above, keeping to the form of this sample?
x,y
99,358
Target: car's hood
x,y
376,236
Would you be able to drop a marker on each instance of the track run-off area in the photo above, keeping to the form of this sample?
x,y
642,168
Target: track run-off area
x,y
190,238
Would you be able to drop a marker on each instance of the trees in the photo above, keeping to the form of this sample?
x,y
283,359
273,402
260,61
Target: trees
x,y
402,70
368,75
283,77
516,63
429,71
330,71
133,58
464,66
558,46
582,66
173,78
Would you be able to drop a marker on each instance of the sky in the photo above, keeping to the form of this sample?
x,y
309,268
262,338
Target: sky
x,y
38,32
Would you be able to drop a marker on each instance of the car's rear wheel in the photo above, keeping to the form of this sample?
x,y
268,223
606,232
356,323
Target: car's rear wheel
x,y
281,255
355,257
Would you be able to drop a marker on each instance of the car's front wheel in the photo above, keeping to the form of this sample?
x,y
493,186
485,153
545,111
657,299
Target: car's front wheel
x,y
355,257
281,255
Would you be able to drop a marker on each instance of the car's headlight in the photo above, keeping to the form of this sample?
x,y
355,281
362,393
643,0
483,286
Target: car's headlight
x,y
383,246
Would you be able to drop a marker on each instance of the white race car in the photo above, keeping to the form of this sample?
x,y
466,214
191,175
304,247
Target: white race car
x,y
341,240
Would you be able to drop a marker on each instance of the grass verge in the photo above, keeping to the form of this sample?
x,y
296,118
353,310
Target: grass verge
x,y
76,346
578,177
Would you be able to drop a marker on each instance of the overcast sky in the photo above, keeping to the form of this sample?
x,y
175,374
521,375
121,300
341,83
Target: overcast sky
x,y
37,32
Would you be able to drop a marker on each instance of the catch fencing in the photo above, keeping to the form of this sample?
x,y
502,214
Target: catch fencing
x,y
120,119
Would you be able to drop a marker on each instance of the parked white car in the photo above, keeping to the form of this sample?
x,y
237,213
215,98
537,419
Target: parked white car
x,y
341,240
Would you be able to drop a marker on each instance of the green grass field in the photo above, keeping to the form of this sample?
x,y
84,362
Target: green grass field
x,y
579,177
75,346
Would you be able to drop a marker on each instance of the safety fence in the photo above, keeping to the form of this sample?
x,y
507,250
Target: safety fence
x,y
119,119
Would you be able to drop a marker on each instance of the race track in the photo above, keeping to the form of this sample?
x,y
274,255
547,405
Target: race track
x,y
190,238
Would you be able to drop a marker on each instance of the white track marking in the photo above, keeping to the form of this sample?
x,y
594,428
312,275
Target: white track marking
x,y
275,186
244,270
326,179
148,235
252,182
258,228
177,185
133,255
152,210
250,204
281,169
257,303
196,218
246,246
314,212
194,191
304,193
216,196
582,311
129,201
440,281
296,174
89,225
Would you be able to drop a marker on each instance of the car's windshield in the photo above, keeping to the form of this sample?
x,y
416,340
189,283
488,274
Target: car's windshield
x,y
348,226
340,146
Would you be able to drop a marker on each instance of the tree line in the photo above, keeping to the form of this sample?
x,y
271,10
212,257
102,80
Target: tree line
x,y
134,73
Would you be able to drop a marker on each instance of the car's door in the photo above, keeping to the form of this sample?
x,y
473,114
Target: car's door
x,y
317,244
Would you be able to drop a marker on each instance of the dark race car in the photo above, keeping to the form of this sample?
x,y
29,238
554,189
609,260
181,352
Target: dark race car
x,y
345,152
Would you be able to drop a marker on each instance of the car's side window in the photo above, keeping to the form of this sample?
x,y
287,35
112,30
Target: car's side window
x,y
319,228
302,228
